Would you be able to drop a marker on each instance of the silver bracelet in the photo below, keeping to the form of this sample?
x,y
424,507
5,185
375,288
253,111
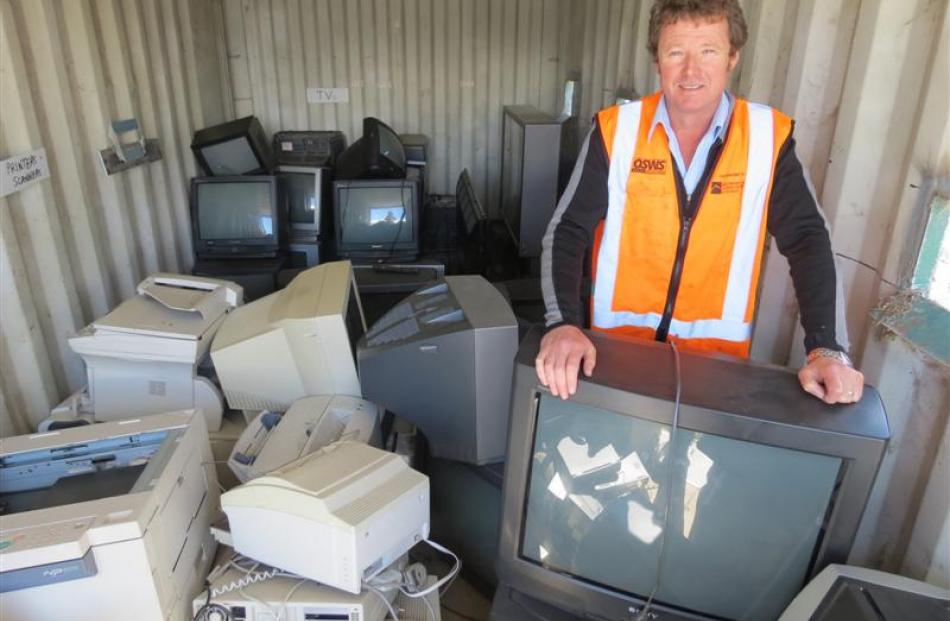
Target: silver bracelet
x,y
825,352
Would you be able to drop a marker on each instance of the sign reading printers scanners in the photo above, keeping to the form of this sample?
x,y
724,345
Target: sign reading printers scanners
x,y
22,171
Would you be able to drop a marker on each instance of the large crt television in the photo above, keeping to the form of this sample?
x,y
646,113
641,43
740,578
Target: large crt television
x,y
442,359
377,218
237,147
378,154
531,145
297,342
236,216
767,486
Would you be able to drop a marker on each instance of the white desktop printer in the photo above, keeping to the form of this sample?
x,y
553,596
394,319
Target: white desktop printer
x,y
337,516
107,521
142,357
272,439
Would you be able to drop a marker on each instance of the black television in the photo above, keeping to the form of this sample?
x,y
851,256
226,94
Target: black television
x,y
378,154
377,219
236,216
237,147
767,485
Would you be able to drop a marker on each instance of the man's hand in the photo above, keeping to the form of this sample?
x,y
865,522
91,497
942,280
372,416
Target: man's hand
x,y
831,380
562,351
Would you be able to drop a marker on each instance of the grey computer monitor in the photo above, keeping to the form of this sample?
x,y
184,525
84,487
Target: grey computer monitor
x,y
442,359
768,485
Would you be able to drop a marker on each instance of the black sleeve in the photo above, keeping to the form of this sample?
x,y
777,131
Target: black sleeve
x,y
570,233
799,229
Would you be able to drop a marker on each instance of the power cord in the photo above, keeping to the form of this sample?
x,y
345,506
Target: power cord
x,y
412,582
669,486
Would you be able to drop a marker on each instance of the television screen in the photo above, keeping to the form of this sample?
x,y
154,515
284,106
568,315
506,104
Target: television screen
x,y
234,157
237,147
377,217
596,500
238,210
302,198
236,216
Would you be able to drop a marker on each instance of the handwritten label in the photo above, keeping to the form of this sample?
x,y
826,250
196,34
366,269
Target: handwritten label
x,y
328,95
22,171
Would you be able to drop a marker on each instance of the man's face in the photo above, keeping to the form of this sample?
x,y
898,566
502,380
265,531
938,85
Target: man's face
x,y
694,62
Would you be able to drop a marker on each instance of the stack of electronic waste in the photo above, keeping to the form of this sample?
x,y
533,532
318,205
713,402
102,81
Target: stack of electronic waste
x,y
144,356
107,521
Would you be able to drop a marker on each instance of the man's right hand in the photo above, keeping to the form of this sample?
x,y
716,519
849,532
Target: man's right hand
x,y
563,349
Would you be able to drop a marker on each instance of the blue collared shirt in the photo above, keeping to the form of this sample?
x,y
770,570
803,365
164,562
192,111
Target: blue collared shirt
x,y
697,165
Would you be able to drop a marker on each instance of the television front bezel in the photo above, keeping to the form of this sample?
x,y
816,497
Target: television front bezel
x,y
397,250
639,375
238,248
322,180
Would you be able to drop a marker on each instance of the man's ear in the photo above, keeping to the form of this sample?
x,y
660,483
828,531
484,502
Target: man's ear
x,y
733,60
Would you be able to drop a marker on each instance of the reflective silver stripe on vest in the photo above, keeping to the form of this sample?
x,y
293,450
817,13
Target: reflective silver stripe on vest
x,y
731,325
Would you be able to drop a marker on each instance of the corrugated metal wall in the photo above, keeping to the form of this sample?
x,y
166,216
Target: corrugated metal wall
x,y
73,246
443,68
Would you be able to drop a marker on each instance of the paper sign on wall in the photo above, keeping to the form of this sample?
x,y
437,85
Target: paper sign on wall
x,y
22,171
328,95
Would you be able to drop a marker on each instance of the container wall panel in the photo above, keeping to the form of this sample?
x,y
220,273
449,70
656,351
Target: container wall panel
x,y
74,245
443,68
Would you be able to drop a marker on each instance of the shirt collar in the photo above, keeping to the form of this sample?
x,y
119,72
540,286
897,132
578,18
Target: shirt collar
x,y
719,121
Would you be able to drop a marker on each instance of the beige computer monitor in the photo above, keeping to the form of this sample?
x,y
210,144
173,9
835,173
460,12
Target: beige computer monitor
x,y
294,343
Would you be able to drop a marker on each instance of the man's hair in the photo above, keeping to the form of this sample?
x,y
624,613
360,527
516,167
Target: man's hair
x,y
665,12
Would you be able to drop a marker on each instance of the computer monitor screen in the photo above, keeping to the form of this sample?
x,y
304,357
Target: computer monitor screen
x,y
377,218
726,516
294,343
378,154
235,216
597,494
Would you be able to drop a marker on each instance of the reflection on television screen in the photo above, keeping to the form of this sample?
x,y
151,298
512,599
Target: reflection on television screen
x,y
386,215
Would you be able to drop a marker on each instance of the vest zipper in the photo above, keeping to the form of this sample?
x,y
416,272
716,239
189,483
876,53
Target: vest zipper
x,y
687,212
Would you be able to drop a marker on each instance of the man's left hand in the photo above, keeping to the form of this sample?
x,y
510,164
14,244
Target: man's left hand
x,y
832,381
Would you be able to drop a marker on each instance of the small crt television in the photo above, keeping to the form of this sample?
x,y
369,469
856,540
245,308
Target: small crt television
x,y
377,219
725,514
378,154
237,147
307,190
236,216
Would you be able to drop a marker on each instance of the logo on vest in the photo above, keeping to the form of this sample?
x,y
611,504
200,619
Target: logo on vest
x,y
649,166
725,187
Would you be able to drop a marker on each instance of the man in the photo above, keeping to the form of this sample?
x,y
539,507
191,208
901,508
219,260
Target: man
x,y
673,195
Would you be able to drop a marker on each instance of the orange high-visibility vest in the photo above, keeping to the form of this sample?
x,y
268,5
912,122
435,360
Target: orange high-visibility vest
x,y
696,278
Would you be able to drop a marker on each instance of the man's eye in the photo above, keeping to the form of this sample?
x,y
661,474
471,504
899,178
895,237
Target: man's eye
x,y
709,51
